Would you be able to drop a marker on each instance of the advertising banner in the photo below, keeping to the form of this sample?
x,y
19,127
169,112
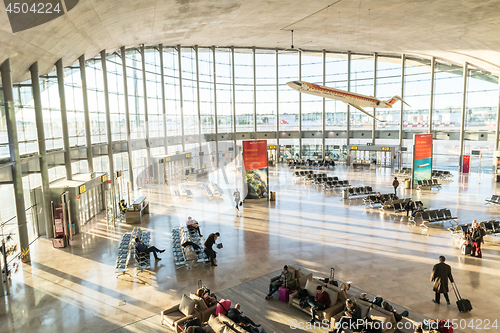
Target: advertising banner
x,y
59,220
466,164
255,169
422,157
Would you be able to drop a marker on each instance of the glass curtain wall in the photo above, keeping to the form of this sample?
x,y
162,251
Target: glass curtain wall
x,y
288,70
206,76
116,97
335,77
362,83
172,91
95,95
265,72
25,119
153,90
417,94
189,93
388,85
312,106
136,109
224,91
244,102
74,106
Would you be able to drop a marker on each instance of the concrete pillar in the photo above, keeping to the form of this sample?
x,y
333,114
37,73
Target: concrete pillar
x,y
254,93
403,61
277,109
375,59
42,150
146,116
431,104
88,138
324,109
464,105
300,107
163,98
348,128
127,116
215,111
233,83
181,100
198,105
10,117
64,119
108,117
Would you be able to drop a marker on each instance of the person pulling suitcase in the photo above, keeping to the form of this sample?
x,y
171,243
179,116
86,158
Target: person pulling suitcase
x,y
441,272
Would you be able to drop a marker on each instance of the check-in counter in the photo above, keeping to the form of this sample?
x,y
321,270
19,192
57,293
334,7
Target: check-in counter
x,y
134,213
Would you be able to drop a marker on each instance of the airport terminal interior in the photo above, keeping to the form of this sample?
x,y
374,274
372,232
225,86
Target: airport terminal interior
x,y
124,121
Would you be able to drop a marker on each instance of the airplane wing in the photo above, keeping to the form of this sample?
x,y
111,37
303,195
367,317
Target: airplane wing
x,y
360,109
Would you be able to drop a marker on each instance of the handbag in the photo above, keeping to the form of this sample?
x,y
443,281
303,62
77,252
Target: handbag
x,y
220,246
241,203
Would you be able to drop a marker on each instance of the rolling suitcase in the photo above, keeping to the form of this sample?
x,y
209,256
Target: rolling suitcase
x,y
284,293
462,303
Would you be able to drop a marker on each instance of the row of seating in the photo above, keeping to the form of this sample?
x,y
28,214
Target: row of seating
x,y
329,185
491,227
398,205
143,260
433,216
216,188
185,255
494,200
443,174
428,182
372,200
311,164
360,190
303,173
402,171
123,257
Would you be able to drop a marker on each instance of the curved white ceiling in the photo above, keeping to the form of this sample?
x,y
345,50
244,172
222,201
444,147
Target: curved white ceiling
x,y
458,31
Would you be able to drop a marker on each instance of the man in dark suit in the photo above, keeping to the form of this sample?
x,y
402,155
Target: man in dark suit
x,y
440,275
209,243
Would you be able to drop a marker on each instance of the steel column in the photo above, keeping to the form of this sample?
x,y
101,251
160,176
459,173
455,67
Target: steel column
x,y
108,117
375,59
403,61
146,115
42,150
300,107
497,131
198,101
233,82
163,98
431,104
10,117
254,94
127,117
64,119
324,109
348,128
277,109
179,60
88,138
215,111
462,124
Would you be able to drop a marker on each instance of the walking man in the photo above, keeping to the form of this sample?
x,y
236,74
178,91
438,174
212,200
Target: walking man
x,y
440,275
209,243
395,184
236,196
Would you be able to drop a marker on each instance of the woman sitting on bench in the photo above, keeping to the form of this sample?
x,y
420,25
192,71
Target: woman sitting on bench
x,y
193,224
123,206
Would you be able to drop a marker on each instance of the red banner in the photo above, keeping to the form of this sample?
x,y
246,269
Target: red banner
x,y
465,164
423,146
255,154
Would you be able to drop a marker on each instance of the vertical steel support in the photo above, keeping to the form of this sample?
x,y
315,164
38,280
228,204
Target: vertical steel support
x,y
233,83
254,93
497,131
403,61
108,117
88,137
163,98
464,105
324,109
277,109
10,115
198,101
348,129
300,107
42,150
181,100
215,111
146,114
375,59
64,118
431,104
127,117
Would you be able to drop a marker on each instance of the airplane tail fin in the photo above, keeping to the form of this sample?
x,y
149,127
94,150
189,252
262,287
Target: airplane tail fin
x,y
394,100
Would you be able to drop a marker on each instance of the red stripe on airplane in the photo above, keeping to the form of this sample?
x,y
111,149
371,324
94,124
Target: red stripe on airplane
x,y
315,86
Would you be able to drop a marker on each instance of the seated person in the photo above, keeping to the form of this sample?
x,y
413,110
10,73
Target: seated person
x,y
195,329
209,300
235,315
380,197
364,297
193,224
420,208
320,302
283,279
141,248
352,313
252,329
397,316
123,206
409,206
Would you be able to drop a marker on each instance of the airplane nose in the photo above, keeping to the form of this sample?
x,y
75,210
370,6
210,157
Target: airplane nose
x,y
294,84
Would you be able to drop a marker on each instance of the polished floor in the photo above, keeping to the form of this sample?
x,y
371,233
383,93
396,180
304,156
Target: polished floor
x,y
75,289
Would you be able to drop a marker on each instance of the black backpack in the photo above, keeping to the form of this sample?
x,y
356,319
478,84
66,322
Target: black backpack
x,y
302,293
378,301
192,322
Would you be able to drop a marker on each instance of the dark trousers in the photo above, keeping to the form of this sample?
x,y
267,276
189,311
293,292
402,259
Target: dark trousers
x,y
313,305
476,247
408,212
195,228
210,254
395,190
152,249
438,297
399,316
246,320
274,287
346,323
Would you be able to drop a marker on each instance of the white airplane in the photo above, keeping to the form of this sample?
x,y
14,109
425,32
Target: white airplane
x,y
357,101
422,165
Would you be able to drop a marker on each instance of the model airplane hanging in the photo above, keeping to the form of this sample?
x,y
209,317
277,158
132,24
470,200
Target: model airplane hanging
x,y
357,101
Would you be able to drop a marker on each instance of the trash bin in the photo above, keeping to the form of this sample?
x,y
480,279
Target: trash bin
x,y
407,183
345,193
